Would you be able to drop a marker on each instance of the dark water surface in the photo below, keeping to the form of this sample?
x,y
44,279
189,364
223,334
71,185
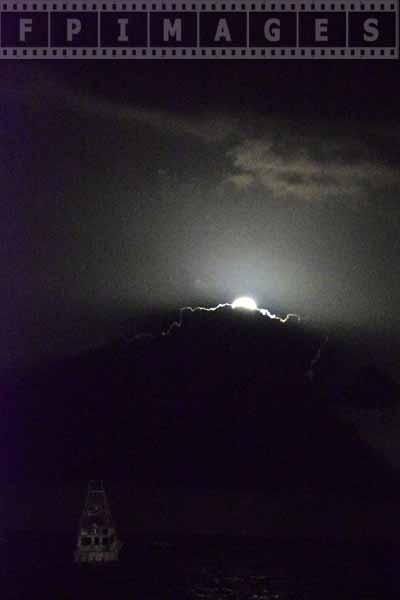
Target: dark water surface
x,y
201,568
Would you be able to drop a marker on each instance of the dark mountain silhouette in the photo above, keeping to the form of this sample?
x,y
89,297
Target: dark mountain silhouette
x,y
223,401
369,388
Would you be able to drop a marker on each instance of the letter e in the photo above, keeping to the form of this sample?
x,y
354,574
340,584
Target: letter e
x,y
321,30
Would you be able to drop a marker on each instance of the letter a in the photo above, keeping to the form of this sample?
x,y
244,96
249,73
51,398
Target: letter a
x,y
222,31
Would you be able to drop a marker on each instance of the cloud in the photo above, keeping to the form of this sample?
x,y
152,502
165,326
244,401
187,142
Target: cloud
x,y
38,89
242,181
309,169
207,127
291,160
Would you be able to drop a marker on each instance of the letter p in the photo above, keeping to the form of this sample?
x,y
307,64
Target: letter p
x,y
74,26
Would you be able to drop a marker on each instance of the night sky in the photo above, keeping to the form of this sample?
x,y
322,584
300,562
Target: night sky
x,y
132,189
137,188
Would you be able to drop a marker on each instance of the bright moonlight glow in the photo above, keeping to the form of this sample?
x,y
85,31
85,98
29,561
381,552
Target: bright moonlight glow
x,y
244,302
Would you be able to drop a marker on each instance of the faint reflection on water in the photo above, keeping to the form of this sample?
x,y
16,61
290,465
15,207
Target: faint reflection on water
x,y
253,587
43,568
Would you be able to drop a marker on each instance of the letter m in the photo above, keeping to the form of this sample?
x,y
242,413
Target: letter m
x,y
172,30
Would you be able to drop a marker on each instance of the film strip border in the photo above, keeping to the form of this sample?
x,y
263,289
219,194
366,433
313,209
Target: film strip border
x,y
202,30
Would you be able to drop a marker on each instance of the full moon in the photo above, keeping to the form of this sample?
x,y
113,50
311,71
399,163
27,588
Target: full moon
x,y
244,302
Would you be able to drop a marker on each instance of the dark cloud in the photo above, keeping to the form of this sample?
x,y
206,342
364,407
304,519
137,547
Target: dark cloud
x,y
301,162
343,172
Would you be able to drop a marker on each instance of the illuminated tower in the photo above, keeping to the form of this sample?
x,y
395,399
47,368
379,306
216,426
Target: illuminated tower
x,y
97,538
